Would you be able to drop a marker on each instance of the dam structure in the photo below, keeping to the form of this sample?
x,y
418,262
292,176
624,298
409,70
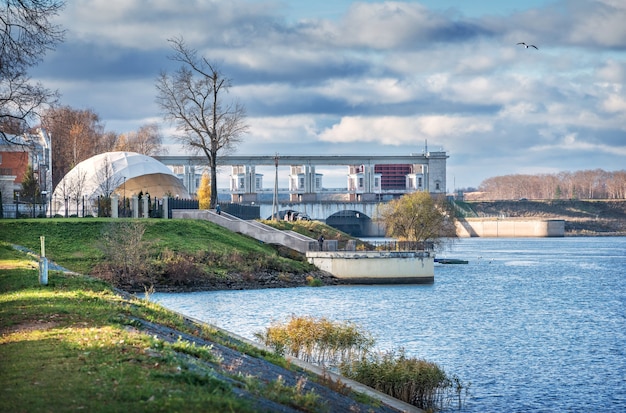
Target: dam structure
x,y
370,181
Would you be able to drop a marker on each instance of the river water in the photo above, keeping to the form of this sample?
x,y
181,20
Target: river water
x,y
534,324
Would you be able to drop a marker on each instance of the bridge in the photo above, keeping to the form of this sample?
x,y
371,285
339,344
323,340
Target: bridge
x,y
355,218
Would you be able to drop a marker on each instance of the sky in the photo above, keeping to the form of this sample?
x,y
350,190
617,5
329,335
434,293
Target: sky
x,y
335,77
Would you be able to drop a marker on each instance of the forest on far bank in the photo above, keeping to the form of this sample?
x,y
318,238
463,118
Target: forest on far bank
x,y
586,184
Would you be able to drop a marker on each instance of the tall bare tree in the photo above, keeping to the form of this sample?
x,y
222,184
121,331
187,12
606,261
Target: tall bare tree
x,y
146,141
26,34
193,99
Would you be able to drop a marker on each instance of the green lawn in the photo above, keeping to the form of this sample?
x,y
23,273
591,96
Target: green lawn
x,y
74,242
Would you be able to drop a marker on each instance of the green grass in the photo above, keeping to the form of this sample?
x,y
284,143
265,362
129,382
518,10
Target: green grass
x,y
70,346
74,243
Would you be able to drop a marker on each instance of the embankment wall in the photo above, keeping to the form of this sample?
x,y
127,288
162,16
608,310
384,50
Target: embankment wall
x,y
510,227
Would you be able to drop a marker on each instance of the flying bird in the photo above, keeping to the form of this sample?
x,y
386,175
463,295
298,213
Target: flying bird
x,y
528,45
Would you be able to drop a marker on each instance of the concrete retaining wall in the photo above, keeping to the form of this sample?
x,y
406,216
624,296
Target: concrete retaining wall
x,y
377,267
510,228
252,229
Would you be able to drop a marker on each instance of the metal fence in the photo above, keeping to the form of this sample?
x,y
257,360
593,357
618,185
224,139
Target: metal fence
x,y
177,203
242,211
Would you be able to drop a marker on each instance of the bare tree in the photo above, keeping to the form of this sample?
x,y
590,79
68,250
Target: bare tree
x,y
76,188
193,99
106,179
146,141
26,34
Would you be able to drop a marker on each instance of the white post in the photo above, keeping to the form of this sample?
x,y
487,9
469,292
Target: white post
x,y
135,206
43,263
166,209
115,199
146,206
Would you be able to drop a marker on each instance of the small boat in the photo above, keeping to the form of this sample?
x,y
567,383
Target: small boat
x,y
450,261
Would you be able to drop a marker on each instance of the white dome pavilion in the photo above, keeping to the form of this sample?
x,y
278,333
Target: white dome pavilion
x,y
123,173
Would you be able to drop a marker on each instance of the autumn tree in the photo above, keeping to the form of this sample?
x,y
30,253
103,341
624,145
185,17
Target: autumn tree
x,y
193,99
146,141
418,217
76,135
26,34
204,191
585,184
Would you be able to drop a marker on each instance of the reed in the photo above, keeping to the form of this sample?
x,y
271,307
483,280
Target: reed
x,y
416,381
318,341
342,346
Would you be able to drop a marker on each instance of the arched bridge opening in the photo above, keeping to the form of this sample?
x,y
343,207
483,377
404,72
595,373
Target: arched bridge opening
x,y
351,222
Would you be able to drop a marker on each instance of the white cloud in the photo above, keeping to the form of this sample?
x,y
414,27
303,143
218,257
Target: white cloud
x,y
393,130
377,77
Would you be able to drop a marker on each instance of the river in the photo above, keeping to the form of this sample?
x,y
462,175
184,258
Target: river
x,y
534,324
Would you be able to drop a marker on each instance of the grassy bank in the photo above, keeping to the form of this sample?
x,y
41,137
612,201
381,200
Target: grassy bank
x,y
73,346
162,254
75,243
76,344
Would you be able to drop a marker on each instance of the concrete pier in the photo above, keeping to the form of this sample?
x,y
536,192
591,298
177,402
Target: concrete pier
x,y
510,227
377,267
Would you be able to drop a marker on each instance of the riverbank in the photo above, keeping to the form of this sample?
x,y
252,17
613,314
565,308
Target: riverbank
x,y
164,255
582,217
77,344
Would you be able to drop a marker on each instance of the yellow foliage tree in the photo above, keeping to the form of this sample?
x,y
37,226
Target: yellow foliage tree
x,y
204,191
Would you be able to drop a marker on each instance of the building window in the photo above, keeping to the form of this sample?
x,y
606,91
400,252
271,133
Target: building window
x,y
419,182
360,182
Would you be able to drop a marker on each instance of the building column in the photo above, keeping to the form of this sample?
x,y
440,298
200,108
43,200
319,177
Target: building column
x,y
250,179
309,178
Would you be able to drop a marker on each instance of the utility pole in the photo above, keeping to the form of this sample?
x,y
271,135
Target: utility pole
x,y
275,199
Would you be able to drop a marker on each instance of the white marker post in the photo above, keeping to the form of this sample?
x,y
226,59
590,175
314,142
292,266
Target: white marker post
x,y
43,263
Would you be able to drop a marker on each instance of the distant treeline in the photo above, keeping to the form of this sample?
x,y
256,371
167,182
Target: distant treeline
x,y
588,184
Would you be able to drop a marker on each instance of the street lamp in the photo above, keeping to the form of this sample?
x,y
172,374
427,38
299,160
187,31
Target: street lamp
x,y
44,202
124,199
17,205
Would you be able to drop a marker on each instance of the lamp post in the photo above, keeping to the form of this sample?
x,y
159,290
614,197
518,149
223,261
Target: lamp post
x,y
275,199
44,201
124,199
17,205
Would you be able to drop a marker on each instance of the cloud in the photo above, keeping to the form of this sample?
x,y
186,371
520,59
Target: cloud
x,y
377,77
389,130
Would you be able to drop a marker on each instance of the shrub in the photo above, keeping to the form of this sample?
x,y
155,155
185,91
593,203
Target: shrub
x,y
313,282
125,253
179,268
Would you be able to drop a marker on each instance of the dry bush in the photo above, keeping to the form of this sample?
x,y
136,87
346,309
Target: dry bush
x,y
126,254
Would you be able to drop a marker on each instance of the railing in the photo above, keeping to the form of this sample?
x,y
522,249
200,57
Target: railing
x,y
395,246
